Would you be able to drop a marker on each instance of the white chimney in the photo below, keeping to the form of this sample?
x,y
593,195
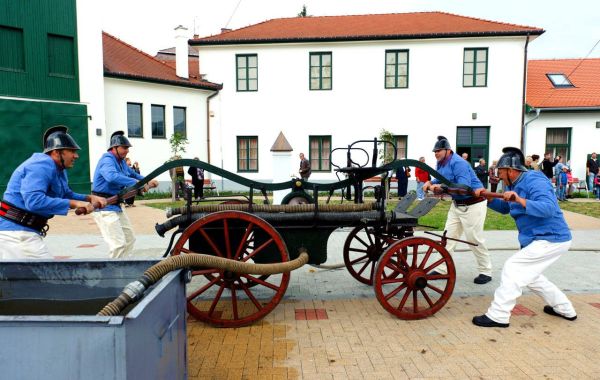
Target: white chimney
x,y
181,52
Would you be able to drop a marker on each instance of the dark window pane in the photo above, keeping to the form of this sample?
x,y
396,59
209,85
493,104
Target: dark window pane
x,y
480,136
179,122
463,136
158,121
134,120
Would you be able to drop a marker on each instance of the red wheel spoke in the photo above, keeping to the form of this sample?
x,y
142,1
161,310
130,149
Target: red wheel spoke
x,y
251,296
395,291
212,244
203,289
430,268
258,280
185,250
234,305
432,277
244,242
415,255
389,280
257,250
415,302
435,288
393,267
227,241
426,297
426,257
403,301
215,302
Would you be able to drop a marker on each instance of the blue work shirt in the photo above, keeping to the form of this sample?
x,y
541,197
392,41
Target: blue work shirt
x,y
39,186
543,218
457,170
111,176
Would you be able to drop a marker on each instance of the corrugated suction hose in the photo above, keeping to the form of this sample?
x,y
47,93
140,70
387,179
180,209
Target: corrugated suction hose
x,y
135,290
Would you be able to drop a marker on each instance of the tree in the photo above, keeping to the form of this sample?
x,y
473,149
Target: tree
x,y
386,151
177,141
303,12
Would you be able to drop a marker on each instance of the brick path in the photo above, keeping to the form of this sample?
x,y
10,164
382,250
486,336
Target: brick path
x,y
359,340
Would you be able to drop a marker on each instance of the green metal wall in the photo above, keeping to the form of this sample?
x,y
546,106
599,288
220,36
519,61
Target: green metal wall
x,y
45,66
22,127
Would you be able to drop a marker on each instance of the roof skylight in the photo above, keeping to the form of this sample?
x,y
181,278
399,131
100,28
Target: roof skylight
x,y
559,80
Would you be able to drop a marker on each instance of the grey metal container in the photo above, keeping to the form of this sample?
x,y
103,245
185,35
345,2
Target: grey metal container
x,y
148,342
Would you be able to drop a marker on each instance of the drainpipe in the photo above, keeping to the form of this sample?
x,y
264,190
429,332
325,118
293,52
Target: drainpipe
x,y
208,124
524,94
537,115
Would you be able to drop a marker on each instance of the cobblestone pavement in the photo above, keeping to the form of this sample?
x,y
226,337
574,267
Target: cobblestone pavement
x,y
329,326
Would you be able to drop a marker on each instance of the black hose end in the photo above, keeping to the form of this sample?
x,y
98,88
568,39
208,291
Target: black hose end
x,y
160,229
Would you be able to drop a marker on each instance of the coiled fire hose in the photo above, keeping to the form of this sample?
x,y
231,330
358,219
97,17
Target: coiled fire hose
x,y
135,290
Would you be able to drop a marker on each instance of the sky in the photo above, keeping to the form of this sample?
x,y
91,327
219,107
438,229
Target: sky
x,y
572,27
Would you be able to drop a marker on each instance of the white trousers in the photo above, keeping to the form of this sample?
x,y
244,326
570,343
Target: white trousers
x,y
470,220
19,245
116,231
525,268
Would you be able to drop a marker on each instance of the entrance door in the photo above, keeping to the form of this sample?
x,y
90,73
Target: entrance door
x,y
474,141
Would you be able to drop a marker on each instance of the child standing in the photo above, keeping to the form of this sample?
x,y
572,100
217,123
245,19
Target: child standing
x,y
561,184
597,187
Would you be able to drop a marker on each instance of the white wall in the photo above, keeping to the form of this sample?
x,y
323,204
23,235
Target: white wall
x,y
585,137
359,106
153,152
91,74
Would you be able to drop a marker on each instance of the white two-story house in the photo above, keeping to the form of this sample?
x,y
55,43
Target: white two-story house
x,y
328,81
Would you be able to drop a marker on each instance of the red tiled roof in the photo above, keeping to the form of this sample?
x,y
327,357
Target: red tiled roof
x,y
583,74
122,60
192,65
366,27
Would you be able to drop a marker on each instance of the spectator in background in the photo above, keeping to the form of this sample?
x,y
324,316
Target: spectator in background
x,y
197,175
570,185
597,188
591,170
422,177
304,170
561,183
535,158
482,173
136,167
528,162
402,175
493,175
465,156
547,166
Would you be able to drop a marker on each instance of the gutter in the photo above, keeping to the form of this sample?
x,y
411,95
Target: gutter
x,y
524,105
208,124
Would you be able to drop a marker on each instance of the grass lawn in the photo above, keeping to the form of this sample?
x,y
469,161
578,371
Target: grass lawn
x,y
436,218
591,208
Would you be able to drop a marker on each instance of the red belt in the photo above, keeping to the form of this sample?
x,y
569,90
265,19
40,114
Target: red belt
x,y
23,218
468,201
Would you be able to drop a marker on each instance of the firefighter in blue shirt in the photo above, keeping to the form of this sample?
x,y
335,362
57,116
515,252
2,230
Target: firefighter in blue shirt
x,y
467,213
111,176
543,235
37,190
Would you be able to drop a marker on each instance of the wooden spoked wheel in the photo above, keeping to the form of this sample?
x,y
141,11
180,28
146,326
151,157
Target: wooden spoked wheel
x,y
403,283
362,249
225,298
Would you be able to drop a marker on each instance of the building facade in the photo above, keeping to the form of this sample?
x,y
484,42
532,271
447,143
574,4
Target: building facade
x,y
328,81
